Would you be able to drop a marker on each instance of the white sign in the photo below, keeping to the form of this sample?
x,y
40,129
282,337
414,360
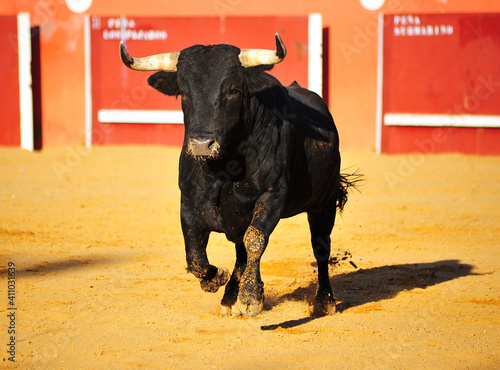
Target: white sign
x,y
372,4
410,25
78,6
126,29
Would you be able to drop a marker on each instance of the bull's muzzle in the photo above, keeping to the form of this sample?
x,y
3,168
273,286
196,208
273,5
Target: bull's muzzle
x,y
203,148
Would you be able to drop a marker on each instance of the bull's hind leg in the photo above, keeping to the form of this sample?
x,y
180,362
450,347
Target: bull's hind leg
x,y
321,225
232,288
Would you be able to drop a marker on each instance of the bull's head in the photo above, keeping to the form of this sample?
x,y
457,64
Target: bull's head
x,y
213,82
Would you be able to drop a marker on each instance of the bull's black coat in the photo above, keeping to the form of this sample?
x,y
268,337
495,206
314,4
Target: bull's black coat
x,y
254,152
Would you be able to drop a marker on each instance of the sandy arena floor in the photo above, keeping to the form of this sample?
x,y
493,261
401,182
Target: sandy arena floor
x,y
101,282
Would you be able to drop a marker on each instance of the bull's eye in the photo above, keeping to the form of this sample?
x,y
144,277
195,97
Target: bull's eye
x,y
233,92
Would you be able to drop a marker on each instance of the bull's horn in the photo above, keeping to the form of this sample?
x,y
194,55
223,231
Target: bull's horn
x,y
158,62
257,57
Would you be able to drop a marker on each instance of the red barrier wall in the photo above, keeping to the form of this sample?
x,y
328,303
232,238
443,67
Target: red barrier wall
x,y
352,31
441,83
9,76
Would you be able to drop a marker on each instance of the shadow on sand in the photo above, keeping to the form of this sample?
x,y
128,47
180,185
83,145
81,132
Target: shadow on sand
x,y
372,285
43,268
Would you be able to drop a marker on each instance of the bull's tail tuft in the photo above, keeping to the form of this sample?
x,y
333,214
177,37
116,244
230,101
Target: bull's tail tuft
x,y
347,181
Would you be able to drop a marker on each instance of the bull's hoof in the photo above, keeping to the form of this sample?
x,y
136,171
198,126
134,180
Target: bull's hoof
x,y
248,307
225,310
229,311
323,307
220,279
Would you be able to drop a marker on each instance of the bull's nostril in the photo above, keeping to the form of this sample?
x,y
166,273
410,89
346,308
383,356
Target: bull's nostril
x,y
203,148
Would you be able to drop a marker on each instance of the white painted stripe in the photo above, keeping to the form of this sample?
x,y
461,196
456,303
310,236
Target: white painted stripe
x,y
140,116
315,53
88,82
380,83
440,120
25,92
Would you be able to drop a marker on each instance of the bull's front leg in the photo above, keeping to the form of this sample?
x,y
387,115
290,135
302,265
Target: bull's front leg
x,y
267,213
251,291
195,241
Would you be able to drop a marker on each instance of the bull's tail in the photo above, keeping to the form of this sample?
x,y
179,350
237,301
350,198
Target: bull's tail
x,y
347,181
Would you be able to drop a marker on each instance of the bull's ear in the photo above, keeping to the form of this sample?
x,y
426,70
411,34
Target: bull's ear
x,y
165,82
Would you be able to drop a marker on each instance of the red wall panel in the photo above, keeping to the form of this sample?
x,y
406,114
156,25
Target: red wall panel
x,y
442,64
9,77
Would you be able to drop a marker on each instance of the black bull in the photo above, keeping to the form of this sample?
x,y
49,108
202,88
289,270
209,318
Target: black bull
x,y
254,152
